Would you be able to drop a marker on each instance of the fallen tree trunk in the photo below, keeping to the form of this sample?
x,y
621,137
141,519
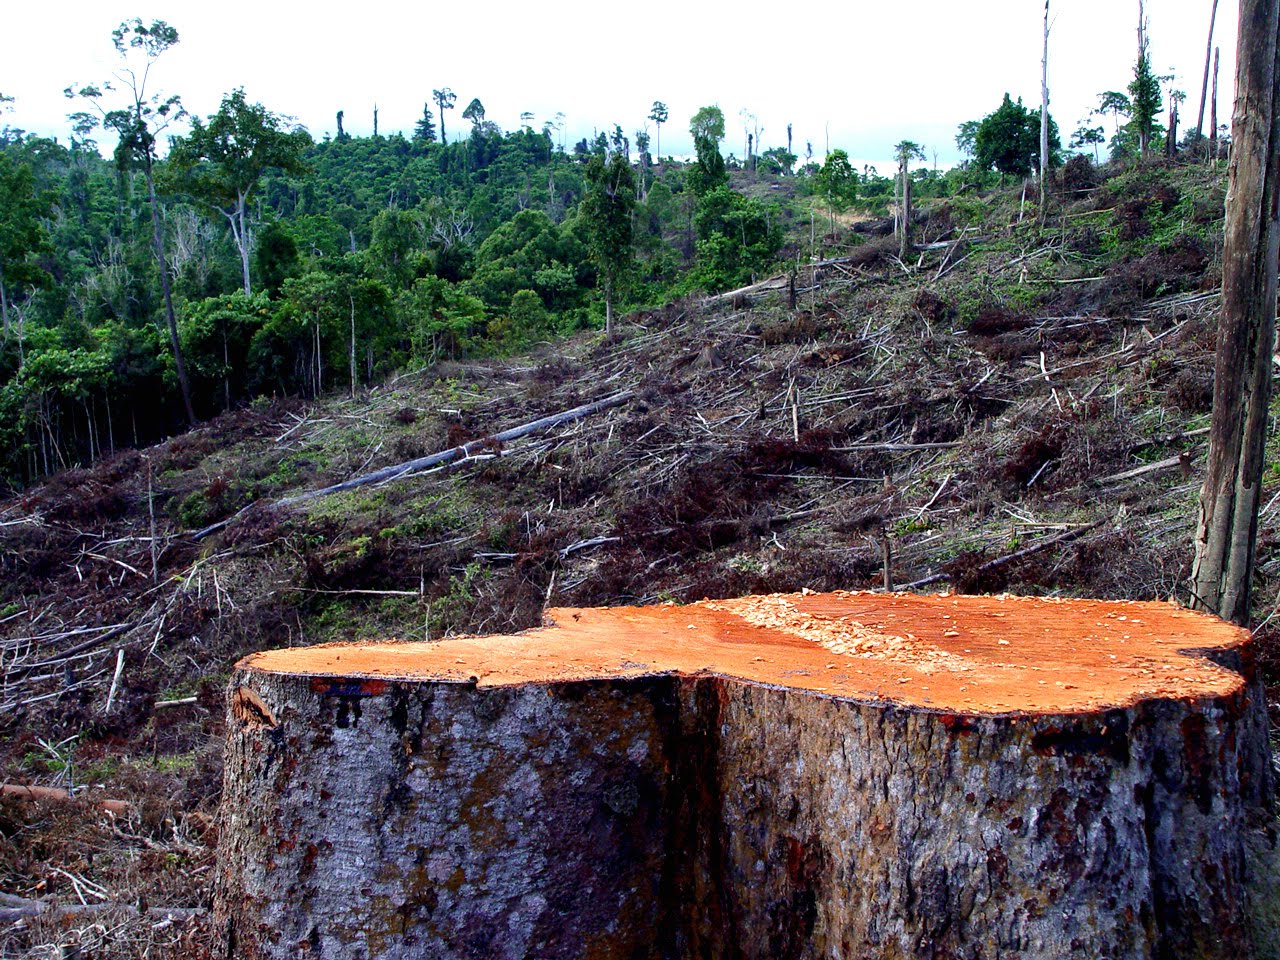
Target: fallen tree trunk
x,y
884,776
394,471
27,909
59,795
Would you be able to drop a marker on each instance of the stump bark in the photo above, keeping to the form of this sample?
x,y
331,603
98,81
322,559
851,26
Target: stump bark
x,y
838,775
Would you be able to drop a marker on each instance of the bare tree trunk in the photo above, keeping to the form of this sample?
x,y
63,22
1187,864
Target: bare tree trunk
x,y
1227,518
1144,133
1044,118
904,248
319,361
1204,86
179,365
1213,109
352,300
4,303
242,241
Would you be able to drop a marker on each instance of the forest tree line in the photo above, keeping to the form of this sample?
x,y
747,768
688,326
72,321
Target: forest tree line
x,y
147,289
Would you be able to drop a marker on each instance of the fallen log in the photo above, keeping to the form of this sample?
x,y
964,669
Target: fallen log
x,y
851,775
1181,461
28,909
997,562
59,795
386,474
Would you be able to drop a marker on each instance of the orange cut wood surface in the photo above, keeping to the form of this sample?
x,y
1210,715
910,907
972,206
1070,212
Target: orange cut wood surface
x,y
957,654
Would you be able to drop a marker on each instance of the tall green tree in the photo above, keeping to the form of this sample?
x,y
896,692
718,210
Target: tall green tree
x,y
737,237
606,213
658,114
1115,103
425,128
1144,99
22,234
445,100
837,181
708,171
222,162
1008,139
474,112
1087,136
145,115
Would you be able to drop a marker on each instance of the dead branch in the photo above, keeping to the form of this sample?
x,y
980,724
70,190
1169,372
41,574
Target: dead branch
x,y
1008,558
22,670
1182,460
1169,438
172,704
896,447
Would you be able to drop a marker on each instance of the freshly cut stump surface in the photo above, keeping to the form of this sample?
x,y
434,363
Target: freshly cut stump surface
x,y
812,775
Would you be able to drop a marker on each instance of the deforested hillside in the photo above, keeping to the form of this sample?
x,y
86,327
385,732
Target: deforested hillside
x,y
1019,405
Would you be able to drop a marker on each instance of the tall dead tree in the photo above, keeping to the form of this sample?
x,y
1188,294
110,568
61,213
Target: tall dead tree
x,y
906,152
1204,86
1227,517
1213,108
1044,117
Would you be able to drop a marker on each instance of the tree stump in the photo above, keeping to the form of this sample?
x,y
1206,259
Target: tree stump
x,y
811,775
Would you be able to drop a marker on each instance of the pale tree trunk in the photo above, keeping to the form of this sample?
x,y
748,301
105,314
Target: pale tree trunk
x,y
4,303
904,245
1227,518
352,300
1044,118
319,370
1213,109
240,232
1143,132
1204,85
897,204
179,365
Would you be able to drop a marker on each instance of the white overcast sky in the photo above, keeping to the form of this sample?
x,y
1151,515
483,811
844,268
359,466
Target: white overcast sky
x,y
834,70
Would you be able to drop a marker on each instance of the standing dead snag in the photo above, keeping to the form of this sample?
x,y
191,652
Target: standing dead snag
x,y
1044,118
1204,86
1227,517
852,775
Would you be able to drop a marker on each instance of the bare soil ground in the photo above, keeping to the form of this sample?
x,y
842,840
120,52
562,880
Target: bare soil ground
x,y
1020,409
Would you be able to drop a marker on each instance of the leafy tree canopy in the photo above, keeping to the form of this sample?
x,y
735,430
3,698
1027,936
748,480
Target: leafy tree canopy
x,y
1008,139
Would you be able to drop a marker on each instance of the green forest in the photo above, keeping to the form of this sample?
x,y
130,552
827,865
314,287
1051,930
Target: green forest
x,y
211,261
